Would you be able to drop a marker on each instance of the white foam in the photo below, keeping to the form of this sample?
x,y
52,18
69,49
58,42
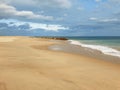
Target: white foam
x,y
104,49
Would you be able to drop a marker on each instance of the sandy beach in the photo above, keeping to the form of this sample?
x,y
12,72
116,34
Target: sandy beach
x,y
26,63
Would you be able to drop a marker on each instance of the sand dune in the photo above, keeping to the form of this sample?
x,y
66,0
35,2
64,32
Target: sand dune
x,y
27,64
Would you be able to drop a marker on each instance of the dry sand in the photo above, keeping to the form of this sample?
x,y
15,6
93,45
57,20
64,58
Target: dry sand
x,y
27,64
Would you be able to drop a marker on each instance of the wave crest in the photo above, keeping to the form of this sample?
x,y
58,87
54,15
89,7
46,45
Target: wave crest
x,y
104,49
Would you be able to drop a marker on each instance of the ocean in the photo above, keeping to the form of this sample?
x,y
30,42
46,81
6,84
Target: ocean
x,y
106,45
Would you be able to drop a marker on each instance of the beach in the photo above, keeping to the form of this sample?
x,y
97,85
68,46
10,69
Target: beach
x,y
28,63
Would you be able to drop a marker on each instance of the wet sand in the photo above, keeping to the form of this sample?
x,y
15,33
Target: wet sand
x,y
77,49
27,64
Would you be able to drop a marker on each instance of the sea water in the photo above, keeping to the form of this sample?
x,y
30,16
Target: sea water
x,y
106,45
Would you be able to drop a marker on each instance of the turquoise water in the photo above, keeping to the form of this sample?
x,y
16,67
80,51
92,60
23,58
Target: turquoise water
x,y
106,45
113,42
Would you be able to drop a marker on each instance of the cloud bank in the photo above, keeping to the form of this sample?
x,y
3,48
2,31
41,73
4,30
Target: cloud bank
x,y
41,3
32,26
7,11
60,17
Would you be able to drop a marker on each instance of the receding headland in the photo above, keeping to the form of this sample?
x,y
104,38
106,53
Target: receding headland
x,y
27,63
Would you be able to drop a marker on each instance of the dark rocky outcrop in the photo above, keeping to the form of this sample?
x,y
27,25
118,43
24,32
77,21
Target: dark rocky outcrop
x,y
55,38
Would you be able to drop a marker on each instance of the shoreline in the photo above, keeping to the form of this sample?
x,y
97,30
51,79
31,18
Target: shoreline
x,y
77,49
26,63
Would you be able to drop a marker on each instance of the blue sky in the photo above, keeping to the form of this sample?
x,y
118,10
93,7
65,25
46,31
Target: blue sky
x,y
60,17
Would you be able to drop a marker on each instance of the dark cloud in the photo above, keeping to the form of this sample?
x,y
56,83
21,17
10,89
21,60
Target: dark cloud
x,y
3,25
24,27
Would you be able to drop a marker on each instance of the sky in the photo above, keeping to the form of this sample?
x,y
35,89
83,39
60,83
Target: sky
x,y
60,17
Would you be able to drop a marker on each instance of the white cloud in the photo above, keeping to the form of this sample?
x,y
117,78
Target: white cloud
x,y
93,18
109,20
41,3
104,19
46,27
10,11
35,26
